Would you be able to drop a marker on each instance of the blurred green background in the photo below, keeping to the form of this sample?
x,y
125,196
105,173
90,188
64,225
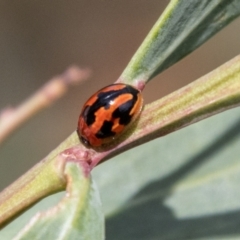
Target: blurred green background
x,y
40,39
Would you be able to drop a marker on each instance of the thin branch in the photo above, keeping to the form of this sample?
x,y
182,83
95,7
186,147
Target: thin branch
x,y
12,118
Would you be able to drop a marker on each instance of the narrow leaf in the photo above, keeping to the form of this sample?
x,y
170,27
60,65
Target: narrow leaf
x,y
183,27
182,186
78,216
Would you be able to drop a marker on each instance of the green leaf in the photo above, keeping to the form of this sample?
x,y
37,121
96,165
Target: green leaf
x,y
182,186
78,216
183,27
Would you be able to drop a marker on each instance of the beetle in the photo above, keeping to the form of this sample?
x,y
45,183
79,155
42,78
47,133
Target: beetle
x,y
107,113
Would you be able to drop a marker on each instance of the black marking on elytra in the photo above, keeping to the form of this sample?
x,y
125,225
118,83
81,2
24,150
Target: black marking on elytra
x,y
104,99
123,112
106,130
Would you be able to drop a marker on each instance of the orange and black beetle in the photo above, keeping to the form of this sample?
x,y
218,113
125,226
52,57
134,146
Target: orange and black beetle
x,y
106,114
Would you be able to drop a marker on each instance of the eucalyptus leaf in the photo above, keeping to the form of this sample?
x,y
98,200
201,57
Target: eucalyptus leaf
x,y
12,228
183,27
78,216
182,186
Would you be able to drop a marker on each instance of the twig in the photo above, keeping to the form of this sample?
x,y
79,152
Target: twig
x,y
12,118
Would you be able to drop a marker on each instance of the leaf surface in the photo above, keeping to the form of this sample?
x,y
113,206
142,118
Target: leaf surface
x,y
78,215
183,26
182,186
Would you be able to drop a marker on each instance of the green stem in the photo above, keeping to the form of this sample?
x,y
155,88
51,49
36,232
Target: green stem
x,y
40,181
